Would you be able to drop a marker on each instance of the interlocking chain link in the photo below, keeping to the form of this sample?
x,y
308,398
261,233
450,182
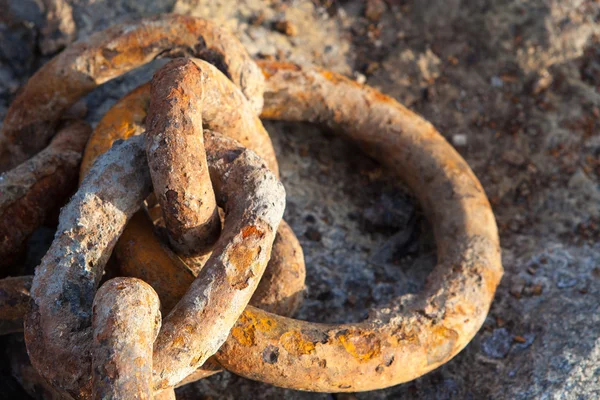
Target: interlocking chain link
x,y
205,287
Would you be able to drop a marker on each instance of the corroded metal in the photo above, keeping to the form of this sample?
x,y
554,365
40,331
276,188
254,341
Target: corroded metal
x,y
140,253
58,324
177,159
35,385
225,110
397,343
419,332
280,290
32,117
38,187
125,322
253,200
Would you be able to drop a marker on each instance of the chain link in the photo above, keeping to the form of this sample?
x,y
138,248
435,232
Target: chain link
x,y
141,191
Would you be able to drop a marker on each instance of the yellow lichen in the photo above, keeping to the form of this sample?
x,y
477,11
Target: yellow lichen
x,y
244,335
362,346
295,343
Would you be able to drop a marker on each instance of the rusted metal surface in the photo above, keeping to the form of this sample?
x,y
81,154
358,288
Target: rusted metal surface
x,y
124,119
418,332
281,289
168,394
32,117
177,159
224,286
65,282
58,326
225,111
125,322
38,187
141,254
376,354
98,334
35,385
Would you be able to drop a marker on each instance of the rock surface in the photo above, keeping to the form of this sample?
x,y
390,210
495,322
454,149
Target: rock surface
x,y
514,85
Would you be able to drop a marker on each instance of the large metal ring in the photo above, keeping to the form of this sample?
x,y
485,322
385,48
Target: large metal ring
x,y
417,333
396,344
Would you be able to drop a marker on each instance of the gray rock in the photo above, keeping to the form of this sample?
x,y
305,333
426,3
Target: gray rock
x,y
497,345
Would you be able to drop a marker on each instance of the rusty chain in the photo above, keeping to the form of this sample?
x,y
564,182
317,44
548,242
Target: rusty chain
x,y
202,271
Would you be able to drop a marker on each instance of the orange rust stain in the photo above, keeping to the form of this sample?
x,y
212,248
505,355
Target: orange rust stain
x,y
247,325
139,362
142,338
271,113
128,56
140,254
491,278
338,79
241,258
190,24
252,231
123,120
463,309
338,116
380,97
295,343
162,384
178,342
179,94
264,324
190,329
362,346
270,68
